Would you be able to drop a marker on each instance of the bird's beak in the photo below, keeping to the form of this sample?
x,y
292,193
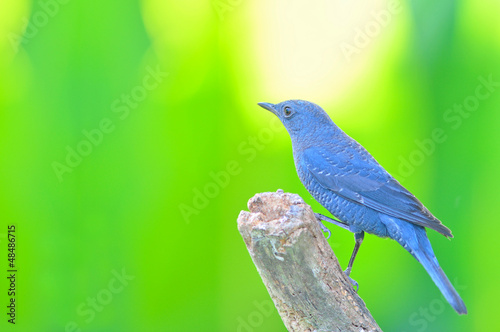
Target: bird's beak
x,y
268,106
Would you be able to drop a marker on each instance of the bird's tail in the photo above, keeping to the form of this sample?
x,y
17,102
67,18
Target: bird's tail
x,y
425,255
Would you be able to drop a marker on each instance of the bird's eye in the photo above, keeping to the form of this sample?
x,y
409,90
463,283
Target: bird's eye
x,y
287,111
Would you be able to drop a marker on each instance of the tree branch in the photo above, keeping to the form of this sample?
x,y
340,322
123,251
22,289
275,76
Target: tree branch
x,y
299,268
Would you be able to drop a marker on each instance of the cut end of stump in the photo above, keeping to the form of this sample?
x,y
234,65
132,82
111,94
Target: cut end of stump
x,y
274,213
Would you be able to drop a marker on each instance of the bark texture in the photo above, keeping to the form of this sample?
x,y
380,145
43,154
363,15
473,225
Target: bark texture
x,y
299,268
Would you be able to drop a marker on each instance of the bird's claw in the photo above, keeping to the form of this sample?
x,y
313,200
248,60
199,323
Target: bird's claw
x,y
354,283
325,229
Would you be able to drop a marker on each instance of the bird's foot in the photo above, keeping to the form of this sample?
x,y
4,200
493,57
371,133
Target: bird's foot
x,y
323,227
354,283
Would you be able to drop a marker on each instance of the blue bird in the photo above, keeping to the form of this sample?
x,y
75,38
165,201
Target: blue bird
x,y
343,177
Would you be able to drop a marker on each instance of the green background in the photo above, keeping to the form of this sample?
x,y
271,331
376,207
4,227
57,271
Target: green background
x,y
388,73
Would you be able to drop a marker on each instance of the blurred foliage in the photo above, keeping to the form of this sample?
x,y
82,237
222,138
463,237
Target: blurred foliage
x,y
130,140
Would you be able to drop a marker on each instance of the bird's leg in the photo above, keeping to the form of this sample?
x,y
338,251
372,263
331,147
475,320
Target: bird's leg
x,y
321,217
358,240
357,236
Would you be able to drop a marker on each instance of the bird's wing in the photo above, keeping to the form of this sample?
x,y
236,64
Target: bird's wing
x,y
356,176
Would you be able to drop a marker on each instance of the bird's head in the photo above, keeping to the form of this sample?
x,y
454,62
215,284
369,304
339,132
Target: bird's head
x,y
302,119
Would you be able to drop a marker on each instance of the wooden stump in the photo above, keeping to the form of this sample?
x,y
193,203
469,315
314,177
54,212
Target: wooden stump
x,y
299,268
